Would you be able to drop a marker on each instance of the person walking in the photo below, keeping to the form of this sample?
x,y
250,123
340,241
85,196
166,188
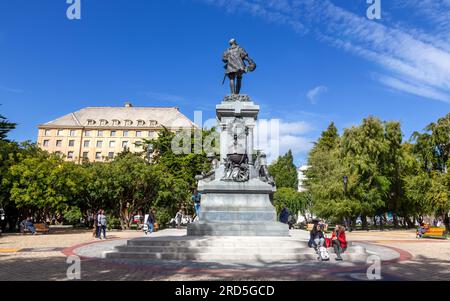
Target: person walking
x,y
102,224
178,218
151,222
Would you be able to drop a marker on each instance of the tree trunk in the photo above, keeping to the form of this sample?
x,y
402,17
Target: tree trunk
x,y
447,222
364,223
395,221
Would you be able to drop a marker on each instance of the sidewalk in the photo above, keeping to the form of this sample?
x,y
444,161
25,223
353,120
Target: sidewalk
x,y
43,257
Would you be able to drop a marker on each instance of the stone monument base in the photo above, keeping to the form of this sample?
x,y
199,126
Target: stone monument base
x,y
237,209
237,229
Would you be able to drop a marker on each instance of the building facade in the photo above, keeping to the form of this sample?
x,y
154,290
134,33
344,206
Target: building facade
x,y
98,134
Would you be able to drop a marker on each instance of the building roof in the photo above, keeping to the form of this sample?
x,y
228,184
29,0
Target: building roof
x,y
127,116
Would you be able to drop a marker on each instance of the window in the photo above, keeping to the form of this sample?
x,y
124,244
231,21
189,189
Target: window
x,y
86,143
70,155
124,144
91,122
100,133
138,143
111,155
99,144
140,122
128,122
153,123
47,132
46,143
103,122
116,122
87,133
113,134
112,144
58,153
138,134
58,143
60,132
85,155
98,155
71,143
126,133
72,133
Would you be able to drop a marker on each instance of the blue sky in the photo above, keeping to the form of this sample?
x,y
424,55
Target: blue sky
x,y
318,61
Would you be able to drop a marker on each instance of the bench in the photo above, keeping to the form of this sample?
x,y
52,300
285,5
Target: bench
x,y
40,228
435,232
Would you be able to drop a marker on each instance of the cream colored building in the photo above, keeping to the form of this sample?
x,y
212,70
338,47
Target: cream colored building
x,y
100,133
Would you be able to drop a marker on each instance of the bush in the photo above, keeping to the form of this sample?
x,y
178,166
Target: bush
x,y
72,216
112,222
163,217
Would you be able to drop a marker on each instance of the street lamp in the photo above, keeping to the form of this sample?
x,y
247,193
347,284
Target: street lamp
x,y
345,179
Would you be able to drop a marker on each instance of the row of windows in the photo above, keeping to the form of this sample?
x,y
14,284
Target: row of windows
x,y
116,122
98,155
87,143
100,133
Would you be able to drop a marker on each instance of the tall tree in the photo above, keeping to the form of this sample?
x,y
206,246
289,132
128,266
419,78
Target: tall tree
x,y
284,171
5,127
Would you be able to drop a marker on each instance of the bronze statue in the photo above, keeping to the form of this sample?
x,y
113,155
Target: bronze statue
x,y
234,59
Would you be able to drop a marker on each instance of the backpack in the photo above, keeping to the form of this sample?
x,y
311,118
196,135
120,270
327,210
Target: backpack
x,y
323,254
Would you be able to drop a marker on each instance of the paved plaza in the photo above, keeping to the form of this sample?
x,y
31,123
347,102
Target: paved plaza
x,y
43,257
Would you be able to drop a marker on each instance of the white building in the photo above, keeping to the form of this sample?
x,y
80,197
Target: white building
x,y
301,172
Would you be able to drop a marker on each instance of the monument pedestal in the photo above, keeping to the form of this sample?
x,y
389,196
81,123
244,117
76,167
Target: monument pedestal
x,y
237,209
236,196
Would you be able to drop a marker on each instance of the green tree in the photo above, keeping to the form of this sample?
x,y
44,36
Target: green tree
x,y
324,179
296,202
44,184
5,127
432,152
284,171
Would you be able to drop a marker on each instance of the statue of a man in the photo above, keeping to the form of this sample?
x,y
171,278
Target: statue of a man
x,y
234,58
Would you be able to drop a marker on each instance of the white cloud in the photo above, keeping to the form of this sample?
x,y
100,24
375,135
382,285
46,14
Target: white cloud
x,y
11,90
294,128
297,144
416,55
314,93
275,137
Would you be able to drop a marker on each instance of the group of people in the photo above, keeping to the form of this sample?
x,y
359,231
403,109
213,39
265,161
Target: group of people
x,y
99,226
337,241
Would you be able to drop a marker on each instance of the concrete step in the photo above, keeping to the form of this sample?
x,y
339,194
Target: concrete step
x,y
220,250
212,250
229,257
213,243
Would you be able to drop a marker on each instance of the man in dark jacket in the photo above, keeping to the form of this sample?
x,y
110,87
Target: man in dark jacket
x,y
284,215
151,221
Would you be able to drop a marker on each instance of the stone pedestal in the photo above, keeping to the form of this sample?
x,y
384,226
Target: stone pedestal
x,y
231,208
